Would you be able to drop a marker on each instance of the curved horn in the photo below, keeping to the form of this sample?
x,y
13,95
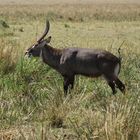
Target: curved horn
x,y
45,32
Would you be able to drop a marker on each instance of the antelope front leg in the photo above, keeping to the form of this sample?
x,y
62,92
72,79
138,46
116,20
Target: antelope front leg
x,y
67,82
66,85
72,81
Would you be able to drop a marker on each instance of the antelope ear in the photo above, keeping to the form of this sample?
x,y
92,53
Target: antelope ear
x,y
48,40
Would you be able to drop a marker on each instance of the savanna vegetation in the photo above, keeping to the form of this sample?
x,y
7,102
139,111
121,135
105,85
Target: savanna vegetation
x,y
32,102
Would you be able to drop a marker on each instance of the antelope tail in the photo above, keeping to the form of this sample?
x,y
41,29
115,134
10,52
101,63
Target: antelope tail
x,y
119,56
118,67
119,51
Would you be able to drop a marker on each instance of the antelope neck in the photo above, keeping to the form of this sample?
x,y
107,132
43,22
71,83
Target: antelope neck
x,y
51,56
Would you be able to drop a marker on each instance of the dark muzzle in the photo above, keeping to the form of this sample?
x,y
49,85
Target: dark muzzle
x,y
27,54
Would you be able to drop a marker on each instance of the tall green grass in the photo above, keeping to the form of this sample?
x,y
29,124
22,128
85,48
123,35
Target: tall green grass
x,y
33,104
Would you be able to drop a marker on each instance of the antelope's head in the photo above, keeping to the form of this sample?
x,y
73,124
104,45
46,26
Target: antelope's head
x,y
35,49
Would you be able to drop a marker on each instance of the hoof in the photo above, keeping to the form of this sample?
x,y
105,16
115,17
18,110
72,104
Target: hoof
x,y
123,90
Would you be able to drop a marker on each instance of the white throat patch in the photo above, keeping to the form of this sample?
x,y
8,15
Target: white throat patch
x,y
33,47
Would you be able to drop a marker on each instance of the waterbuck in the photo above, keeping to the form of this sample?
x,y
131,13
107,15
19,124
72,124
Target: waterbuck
x,y
83,61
